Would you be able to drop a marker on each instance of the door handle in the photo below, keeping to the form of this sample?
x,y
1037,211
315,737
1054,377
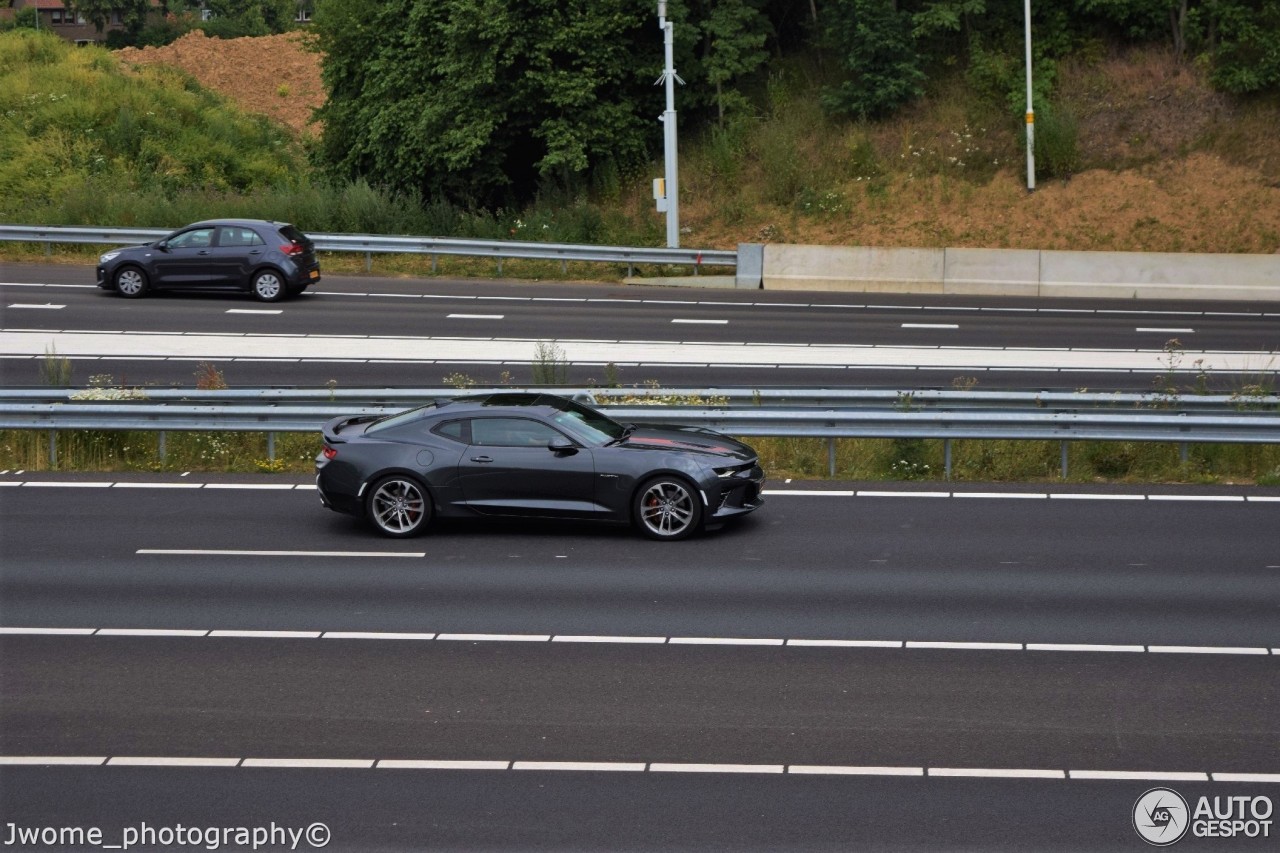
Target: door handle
x,y
481,458
203,252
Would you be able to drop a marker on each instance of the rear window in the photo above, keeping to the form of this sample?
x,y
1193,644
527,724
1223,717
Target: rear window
x,y
293,235
392,421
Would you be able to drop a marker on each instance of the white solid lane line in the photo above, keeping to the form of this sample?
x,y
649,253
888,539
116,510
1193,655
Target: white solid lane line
x,y
212,552
328,348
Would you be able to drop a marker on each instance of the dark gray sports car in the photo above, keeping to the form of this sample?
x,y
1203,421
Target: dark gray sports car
x,y
531,454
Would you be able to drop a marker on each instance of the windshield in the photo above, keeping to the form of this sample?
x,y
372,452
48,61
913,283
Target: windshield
x,y
587,425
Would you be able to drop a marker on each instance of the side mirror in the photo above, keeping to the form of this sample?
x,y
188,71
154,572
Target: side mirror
x,y
162,245
561,445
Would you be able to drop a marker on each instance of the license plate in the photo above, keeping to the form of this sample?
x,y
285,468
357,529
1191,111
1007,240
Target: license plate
x,y
315,273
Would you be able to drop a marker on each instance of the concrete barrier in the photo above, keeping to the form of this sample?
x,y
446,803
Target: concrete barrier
x,y
1023,272
855,268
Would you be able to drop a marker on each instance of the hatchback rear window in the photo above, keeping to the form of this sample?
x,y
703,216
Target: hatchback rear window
x,y
293,235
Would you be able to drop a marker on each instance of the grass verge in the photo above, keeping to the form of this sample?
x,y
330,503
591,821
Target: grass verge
x,y
800,458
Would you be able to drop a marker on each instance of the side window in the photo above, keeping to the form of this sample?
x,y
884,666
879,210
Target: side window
x,y
200,238
455,430
511,432
236,237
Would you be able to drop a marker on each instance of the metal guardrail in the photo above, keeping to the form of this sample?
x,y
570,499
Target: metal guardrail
x,y
1016,416
371,244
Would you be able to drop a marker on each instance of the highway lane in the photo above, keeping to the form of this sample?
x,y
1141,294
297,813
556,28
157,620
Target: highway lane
x,y
366,306
417,307
1078,735
890,566
388,810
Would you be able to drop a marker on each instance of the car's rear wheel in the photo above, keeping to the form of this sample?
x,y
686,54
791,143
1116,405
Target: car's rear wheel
x,y
667,508
131,282
268,286
398,506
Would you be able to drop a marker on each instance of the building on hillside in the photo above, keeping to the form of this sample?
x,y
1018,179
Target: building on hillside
x,y
55,16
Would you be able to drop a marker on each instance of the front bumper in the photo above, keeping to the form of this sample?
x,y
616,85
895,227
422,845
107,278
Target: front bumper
x,y
739,495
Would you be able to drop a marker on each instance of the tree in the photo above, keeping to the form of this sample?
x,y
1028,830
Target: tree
x,y
1244,46
251,17
734,36
871,40
485,102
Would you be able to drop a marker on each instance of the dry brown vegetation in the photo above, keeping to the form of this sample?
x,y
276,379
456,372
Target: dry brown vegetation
x,y
1166,164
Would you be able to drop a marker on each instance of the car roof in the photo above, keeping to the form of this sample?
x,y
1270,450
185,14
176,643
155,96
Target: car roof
x,y
241,222
542,403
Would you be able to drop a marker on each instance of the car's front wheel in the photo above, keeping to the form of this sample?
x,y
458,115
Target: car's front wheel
x,y
667,508
398,506
268,286
131,282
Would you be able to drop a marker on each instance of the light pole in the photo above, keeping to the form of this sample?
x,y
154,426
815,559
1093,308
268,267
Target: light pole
x,y
669,197
1031,113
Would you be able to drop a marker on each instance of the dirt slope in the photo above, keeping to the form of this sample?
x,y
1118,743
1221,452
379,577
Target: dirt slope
x,y
275,76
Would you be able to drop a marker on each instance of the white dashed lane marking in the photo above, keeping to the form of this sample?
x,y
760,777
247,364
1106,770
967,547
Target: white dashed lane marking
x,y
774,642
255,311
637,767
930,326
46,305
476,316
1166,331
702,322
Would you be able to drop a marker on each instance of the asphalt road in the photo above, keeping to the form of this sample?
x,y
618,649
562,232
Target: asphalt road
x,y
856,668
433,313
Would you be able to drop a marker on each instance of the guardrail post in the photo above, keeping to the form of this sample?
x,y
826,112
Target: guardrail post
x,y
53,449
433,264
48,248
1182,452
831,457
499,267
1063,453
946,458
271,447
160,446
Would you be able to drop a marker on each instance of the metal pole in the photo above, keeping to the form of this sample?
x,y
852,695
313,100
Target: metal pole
x,y
1031,113
671,171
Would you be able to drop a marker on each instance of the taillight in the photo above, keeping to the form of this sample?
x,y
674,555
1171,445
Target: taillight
x,y
329,452
293,248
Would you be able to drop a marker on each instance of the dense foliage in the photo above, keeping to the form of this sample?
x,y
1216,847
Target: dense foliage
x,y
483,102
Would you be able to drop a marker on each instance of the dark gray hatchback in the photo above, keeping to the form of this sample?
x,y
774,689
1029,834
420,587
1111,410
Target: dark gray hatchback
x,y
271,260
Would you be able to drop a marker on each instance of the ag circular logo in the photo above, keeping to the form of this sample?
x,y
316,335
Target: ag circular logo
x,y
1161,817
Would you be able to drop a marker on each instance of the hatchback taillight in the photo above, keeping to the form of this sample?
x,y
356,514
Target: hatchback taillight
x,y
329,452
293,248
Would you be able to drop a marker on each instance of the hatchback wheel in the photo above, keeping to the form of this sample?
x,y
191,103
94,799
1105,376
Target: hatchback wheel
x,y
667,508
398,506
131,282
268,286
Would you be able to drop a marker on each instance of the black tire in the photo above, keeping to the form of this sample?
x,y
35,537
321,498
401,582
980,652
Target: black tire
x,y
398,506
667,508
131,282
268,286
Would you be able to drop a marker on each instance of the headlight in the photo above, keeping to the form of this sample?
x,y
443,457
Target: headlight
x,y
726,473
109,256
